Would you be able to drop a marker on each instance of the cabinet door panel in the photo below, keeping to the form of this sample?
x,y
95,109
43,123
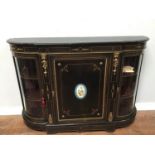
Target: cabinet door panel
x,y
80,87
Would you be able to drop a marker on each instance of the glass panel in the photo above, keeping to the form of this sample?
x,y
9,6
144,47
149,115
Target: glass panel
x,y
35,104
128,82
128,85
20,84
27,67
130,65
80,88
34,108
126,106
31,89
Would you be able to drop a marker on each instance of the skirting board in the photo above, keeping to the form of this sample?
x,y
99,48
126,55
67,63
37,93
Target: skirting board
x,y
18,109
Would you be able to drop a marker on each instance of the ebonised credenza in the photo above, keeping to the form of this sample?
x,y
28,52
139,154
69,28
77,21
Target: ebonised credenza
x,y
78,83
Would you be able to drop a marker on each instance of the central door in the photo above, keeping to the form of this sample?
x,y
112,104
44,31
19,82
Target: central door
x,y
80,87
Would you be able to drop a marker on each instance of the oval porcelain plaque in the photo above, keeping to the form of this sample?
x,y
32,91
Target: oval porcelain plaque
x,y
80,91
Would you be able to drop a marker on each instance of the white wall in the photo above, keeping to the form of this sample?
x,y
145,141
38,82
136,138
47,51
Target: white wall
x,y
34,18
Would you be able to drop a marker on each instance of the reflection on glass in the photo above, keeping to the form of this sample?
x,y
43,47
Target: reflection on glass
x,y
34,108
130,65
126,106
27,67
31,88
128,69
128,85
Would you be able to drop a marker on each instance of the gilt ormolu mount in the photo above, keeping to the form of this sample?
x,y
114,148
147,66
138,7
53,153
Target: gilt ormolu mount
x,y
78,83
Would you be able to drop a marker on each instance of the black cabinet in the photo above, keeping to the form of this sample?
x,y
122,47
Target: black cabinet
x,y
72,84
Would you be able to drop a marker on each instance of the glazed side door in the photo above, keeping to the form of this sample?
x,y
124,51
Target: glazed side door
x,y
31,85
128,83
80,86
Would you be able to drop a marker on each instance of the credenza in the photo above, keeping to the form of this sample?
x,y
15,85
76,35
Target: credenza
x,y
78,83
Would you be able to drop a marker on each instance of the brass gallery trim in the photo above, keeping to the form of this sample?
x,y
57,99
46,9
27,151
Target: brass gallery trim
x,y
59,53
86,118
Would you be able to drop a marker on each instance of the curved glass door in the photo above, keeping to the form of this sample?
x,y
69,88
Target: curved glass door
x,y
29,80
129,73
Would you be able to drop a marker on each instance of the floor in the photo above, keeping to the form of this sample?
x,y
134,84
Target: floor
x,y
143,124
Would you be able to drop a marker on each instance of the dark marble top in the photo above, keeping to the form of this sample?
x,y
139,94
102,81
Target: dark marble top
x,y
77,40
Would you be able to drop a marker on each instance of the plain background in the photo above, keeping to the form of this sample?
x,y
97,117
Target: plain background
x,y
35,18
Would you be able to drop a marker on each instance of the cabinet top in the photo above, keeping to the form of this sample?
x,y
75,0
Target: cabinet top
x,y
77,40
